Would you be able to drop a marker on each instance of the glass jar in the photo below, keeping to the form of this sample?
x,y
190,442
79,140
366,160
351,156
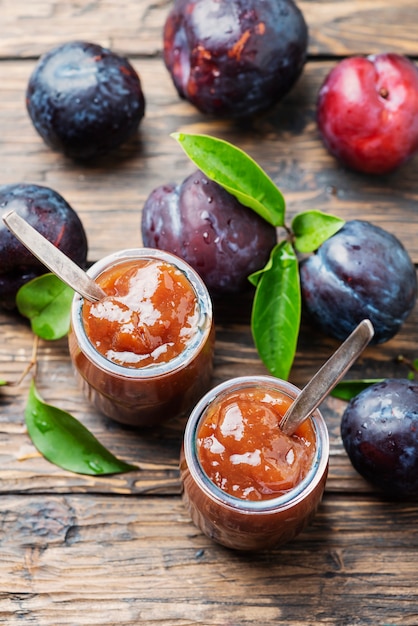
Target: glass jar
x,y
239,523
149,395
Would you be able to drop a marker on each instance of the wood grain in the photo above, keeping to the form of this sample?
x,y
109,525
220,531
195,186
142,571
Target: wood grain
x,y
156,453
121,550
285,142
336,28
131,561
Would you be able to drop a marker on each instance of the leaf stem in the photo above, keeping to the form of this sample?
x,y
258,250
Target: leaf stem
x,y
411,364
33,363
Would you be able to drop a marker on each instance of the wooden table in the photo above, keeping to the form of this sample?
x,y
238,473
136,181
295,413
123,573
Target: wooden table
x,y
80,550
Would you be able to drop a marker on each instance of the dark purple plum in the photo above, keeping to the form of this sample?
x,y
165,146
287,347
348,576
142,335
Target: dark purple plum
x,y
205,225
84,100
361,272
234,58
379,430
51,215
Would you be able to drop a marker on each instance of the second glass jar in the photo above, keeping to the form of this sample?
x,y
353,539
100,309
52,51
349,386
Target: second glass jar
x,y
240,504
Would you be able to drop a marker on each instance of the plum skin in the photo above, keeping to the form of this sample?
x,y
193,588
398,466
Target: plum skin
x,y
367,112
360,272
234,58
84,100
202,223
50,214
379,429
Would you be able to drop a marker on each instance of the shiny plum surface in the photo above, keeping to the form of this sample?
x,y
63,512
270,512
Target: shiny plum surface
x,y
233,58
205,225
360,272
367,112
51,215
379,430
84,100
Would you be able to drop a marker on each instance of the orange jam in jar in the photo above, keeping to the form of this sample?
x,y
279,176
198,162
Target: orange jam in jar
x,y
246,484
149,315
243,451
144,353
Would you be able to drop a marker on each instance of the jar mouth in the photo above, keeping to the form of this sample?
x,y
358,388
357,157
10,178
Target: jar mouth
x,y
215,493
197,341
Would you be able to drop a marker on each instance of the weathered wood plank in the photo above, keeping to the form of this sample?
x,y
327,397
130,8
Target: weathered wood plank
x,y
156,453
361,27
122,549
76,560
109,194
134,27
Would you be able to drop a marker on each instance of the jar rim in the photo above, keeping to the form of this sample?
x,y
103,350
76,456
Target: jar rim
x,y
286,500
153,370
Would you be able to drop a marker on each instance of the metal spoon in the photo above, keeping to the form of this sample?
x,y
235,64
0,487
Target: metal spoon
x,y
55,260
327,377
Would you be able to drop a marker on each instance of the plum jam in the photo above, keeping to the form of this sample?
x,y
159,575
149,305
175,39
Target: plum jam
x,y
243,451
148,316
144,352
246,484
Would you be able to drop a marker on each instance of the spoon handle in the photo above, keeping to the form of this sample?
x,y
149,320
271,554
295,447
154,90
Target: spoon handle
x,y
55,260
327,377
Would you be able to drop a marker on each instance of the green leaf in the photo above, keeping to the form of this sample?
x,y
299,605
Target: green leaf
x,y
255,277
3,383
347,389
312,228
46,301
276,311
64,441
236,172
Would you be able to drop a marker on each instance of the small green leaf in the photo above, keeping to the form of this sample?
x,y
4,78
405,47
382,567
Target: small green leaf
x,y
255,277
46,301
64,441
3,383
276,311
347,389
312,228
236,172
